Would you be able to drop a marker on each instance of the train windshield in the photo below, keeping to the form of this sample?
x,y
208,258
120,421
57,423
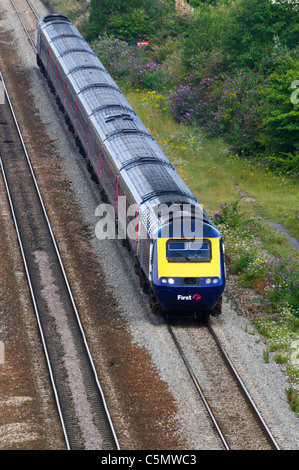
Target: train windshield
x,y
191,251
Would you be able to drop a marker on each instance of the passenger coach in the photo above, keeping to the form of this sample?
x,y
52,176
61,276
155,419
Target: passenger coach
x,y
180,265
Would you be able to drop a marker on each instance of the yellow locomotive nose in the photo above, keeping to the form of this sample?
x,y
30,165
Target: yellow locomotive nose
x,y
189,277
195,258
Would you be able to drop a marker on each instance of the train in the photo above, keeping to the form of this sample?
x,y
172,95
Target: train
x,y
178,250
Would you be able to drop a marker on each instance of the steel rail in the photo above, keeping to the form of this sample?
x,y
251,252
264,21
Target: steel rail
x,y
55,244
244,390
61,266
24,27
33,10
31,287
196,383
35,305
194,379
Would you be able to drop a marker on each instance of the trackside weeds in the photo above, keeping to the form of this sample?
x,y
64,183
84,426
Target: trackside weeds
x,y
275,279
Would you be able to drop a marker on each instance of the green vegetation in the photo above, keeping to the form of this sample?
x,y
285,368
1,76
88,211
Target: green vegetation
x,y
231,66
293,398
127,20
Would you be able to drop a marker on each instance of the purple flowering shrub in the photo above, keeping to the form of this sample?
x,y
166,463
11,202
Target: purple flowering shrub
x,y
132,66
227,105
201,90
282,285
238,115
194,100
224,104
185,102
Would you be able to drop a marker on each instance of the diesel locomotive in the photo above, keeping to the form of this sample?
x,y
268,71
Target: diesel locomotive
x,y
177,248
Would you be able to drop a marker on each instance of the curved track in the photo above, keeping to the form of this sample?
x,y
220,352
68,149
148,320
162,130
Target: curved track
x,y
28,30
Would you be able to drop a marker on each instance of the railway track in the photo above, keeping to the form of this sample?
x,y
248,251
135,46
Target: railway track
x,y
28,19
81,405
234,415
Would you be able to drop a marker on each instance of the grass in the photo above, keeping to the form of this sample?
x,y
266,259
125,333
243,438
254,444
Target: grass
x,y
219,178
246,193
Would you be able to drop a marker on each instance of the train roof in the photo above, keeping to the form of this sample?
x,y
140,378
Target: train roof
x,y
144,167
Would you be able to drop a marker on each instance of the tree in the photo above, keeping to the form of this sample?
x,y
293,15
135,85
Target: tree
x,y
281,115
120,12
253,26
130,26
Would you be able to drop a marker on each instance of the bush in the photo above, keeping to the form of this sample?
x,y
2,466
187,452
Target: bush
x,y
226,105
126,19
228,68
134,67
253,25
130,26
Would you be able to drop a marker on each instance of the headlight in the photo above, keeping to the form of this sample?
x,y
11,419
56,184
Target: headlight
x,y
208,281
215,280
164,280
